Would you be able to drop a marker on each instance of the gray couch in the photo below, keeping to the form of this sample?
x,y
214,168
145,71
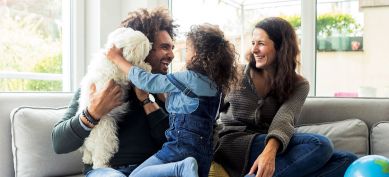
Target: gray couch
x,y
353,124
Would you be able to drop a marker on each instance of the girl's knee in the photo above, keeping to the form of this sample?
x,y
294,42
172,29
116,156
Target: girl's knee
x,y
101,172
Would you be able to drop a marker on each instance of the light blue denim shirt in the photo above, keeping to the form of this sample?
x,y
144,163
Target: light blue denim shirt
x,y
177,102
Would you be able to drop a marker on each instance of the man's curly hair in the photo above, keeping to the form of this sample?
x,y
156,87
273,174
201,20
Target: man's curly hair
x,y
150,22
214,56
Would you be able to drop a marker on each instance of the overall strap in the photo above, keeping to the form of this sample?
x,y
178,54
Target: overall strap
x,y
181,86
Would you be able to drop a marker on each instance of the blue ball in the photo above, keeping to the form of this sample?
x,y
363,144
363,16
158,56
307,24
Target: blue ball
x,y
369,166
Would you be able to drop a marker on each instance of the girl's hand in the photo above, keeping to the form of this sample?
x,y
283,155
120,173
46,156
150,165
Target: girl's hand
x,y
115,54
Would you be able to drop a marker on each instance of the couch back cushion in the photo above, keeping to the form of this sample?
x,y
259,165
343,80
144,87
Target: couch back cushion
x,y
32,149
369,110
350,135
379,139
9,101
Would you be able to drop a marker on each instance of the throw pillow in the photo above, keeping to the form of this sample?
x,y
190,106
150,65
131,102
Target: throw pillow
x,y
350,135
32,147
379,139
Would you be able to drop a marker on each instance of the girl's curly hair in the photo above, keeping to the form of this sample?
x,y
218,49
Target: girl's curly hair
x,y
214,56
150,22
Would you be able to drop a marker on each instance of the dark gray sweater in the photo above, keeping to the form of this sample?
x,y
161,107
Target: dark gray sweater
x,y
245,114
140,136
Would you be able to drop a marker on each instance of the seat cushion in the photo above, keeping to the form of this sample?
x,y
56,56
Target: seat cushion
x,y
32,147
379,139
350,135
217,170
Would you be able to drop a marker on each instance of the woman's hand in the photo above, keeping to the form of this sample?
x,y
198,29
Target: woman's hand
x,y
114,54
103,101
264,165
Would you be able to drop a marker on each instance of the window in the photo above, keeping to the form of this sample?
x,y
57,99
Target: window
x,y
344,55
351,48
187,13
235,17
32,46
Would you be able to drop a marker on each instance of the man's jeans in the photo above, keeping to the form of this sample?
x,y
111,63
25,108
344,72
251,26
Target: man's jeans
x,y
122,171
308,155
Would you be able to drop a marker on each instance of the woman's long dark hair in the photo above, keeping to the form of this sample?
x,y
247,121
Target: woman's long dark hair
x,y
214,56
285,42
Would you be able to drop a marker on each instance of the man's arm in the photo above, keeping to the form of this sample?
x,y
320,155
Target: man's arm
x,y
158,122
156,116
68,134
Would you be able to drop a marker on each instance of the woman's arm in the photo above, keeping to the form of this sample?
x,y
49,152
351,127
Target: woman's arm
x,y
282,126
280,131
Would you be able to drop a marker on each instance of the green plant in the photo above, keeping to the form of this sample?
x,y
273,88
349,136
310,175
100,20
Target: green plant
x,y
329,24
52,65
294,20
29,35
340,24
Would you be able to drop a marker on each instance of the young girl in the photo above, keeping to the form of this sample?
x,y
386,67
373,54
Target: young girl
x,y
193,102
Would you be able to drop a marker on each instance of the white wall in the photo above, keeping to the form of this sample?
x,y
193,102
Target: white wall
x,y
130,5
94,20
103,16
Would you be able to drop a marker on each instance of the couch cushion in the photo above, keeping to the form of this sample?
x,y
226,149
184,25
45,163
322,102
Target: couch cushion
x,y
32,148
350,135
217,170
379,139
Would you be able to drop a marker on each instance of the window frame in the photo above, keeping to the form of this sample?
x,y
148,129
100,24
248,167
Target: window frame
x,y
73,15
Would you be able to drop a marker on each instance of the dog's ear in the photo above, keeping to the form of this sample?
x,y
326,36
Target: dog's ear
x,y
135,46
115,36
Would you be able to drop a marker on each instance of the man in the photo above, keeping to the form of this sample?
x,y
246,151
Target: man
x,y
141,133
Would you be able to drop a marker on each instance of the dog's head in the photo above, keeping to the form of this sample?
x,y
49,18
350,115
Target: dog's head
x,y
135,46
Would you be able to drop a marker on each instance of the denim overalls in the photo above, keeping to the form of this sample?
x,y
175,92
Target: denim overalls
x,y
191,134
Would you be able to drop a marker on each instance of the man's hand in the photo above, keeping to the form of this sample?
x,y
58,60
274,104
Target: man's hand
x,y
141,94
162,96
102,102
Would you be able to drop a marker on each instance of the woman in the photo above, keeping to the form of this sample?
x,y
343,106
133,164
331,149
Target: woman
x,y
257,121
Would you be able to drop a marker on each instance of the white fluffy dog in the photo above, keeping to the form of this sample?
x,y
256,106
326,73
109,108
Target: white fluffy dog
x,y
103,142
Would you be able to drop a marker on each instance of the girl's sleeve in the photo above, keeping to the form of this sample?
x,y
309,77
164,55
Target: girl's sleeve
x,y
153,83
